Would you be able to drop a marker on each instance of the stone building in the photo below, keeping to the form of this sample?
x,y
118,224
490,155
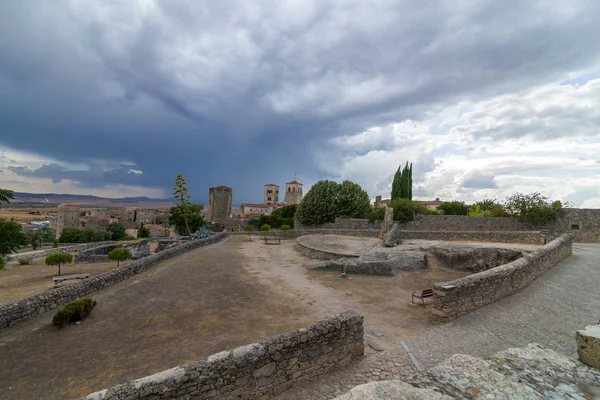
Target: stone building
x,y
136,214
68,216
293,192
219,203
248,208
271,193
429,204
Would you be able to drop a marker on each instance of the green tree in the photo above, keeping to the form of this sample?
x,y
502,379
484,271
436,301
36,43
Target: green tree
x,y
454,208
376,213
6,195
143,232
71,235
402,183
181,196
116,231
186,217
249,229
59,259
319,204
12,237
119,254
351,201
533,208
265,228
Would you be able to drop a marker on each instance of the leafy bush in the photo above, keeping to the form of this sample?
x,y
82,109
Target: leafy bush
x,y
55,243
285,227
351,201
533,208
405,210
248,228
265,228
1,262
116,231
71,235
454,208
73,312
58,259
119,254
376,213
143,232
287,221
24,260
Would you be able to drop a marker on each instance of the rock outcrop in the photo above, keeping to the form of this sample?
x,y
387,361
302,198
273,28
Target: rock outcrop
x,y
531,372
471,258
391,390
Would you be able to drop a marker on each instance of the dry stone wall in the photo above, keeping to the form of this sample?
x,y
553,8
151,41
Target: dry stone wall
x,y
256,371
463,295
529,237
65,249
583,224
342,223
12,314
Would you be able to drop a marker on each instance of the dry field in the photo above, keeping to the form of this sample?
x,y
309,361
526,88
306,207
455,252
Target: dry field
x,y
202,302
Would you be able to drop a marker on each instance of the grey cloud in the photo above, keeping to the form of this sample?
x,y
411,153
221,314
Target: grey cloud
x,y
477,180
94,176
210,86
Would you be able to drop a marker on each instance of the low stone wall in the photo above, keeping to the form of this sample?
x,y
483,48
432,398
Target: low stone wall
x,y
321,254
138,249
12,314
297,233
529,237
342,223
463,295
259,370
47,252
465,223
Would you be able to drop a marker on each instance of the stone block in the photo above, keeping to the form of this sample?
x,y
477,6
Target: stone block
x,y
588,345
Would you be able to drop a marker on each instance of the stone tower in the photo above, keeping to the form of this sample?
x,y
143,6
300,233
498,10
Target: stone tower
x,y
219,203
293,192
68,216
271,193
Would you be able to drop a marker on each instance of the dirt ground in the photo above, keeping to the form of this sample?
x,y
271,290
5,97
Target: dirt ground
x,y
20,281
202,302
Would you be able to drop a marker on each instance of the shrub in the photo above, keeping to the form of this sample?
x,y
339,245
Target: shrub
x,y
376,213
24,260
73,312
405,210
454,208
1,262
265,227
55,243
285,227
58,259
287,221
71,235
119,254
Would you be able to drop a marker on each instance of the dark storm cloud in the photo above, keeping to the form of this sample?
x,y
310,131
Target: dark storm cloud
x,y
94,176
235,92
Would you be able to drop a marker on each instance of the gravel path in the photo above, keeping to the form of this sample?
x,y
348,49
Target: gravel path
x,y
548,312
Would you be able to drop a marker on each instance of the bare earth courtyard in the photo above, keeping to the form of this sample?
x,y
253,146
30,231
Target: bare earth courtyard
x,y
204,301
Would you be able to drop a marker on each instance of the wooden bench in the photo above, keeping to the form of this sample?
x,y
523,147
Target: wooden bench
x,y
62,278
421,294
278,239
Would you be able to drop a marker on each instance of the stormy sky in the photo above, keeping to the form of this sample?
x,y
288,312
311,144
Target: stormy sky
x,y
486,98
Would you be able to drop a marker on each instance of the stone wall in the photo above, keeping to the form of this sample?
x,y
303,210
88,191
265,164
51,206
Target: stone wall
x,y
293,233
320,254
342,223
259,370
463,295
65,249
529,237
458,223
583,224
138,249
462,223
11,314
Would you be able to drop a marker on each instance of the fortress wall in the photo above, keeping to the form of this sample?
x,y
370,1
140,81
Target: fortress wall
x,y
258,370
11,314
461,296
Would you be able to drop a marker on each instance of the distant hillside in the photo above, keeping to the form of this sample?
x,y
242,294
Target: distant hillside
x,y
87,200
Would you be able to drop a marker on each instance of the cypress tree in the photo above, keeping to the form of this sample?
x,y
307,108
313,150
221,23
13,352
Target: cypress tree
x,y
396,185
410,183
